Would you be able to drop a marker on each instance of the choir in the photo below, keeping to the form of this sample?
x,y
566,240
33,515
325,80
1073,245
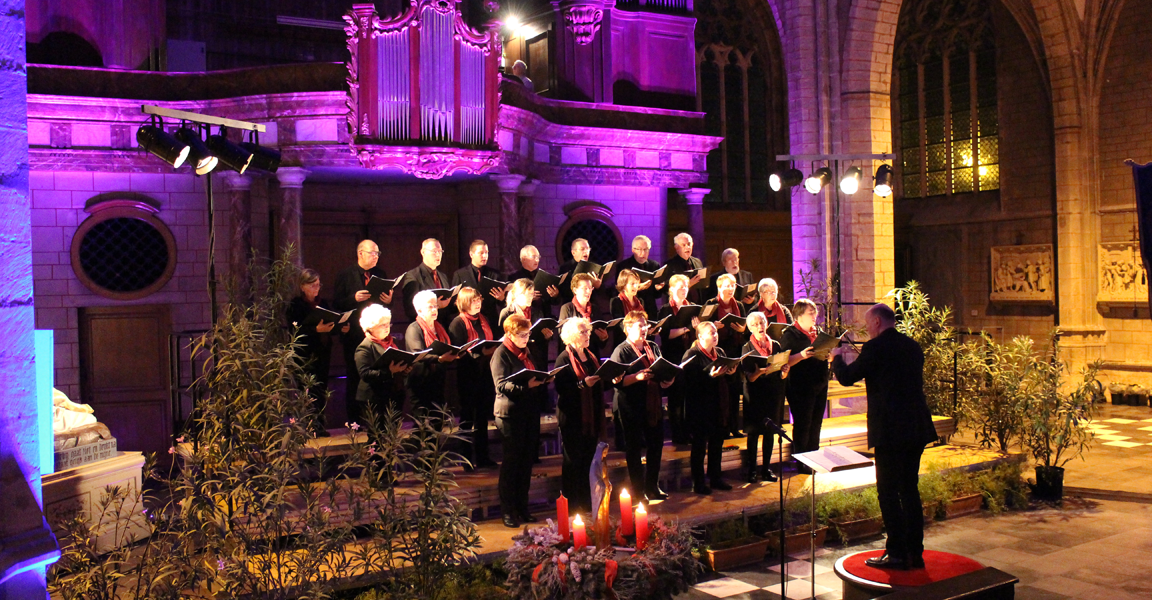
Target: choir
x,y
722,350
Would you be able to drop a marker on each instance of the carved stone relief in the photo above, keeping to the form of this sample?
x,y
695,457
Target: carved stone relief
x,y
1122,278
1023,274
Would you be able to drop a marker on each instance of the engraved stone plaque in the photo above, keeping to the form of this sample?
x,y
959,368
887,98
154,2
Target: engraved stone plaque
x,y
1023,274
1122,278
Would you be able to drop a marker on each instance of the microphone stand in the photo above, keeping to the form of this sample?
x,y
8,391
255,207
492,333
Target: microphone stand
x,y
771,426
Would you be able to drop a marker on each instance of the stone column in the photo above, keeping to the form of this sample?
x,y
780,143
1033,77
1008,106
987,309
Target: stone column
x,y
26,544
292,210
694,197
526,205
240,245
510,238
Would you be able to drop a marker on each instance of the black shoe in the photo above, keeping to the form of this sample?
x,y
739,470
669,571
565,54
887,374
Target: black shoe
x,y
916,562
887,562
752,477
657,494
720,484
526,517
768,476
511,522
737,433
703,490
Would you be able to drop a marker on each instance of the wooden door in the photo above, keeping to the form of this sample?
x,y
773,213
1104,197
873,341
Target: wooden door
x,y
124,372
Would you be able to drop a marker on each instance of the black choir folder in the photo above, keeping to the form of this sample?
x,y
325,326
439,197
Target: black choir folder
x,y
663,369
657,277
544,280
487,284
610,370
726,361
831,459
396,355
593,269
824,344
479,346
379,285
776,330
743,291
545,323
773,363
320,314
730,319
523,376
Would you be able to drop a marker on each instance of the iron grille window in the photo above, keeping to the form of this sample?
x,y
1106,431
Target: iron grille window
x,y
123,253
600,236
947,108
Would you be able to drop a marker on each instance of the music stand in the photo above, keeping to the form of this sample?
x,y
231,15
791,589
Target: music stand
x,y
829,459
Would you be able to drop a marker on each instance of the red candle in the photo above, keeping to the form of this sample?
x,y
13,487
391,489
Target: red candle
x,y
562,516
579,539
641,527
625,512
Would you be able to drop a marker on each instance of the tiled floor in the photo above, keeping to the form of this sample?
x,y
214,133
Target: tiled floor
x,y
1084,550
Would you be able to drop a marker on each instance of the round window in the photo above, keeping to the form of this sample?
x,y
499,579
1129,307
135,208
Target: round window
x,y
601,236
123,253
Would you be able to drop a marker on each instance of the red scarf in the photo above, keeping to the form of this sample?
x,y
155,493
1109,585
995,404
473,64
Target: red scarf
x,y
721,382
676,307
730,307
775,314
653,406
762,350
526,312
519,353
385,343
431,334
585,311
630,305
469,322
589,423
811,334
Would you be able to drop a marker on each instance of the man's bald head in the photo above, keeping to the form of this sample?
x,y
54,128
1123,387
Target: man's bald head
x,y
879,318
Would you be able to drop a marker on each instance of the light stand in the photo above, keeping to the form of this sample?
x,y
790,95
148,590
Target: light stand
x,y
771,426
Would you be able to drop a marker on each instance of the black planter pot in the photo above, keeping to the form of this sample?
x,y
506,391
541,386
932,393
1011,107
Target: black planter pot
x,y
1049,483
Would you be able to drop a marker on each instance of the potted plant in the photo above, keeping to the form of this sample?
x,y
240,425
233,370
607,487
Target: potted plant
x,y
853,515
732,544
798,528
964,496
1003,487
933,492
1056,419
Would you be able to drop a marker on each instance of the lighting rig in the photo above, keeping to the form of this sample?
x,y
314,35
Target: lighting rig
x,y
194,144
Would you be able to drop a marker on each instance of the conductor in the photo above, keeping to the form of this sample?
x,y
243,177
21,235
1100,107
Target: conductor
x,y
899,426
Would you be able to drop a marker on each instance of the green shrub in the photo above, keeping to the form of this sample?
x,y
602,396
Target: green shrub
x,y
1003,487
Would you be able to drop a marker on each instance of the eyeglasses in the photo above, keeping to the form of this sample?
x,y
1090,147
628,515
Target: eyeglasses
x,y
370,253
522,336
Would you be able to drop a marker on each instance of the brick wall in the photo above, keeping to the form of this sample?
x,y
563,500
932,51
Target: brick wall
x,y
58,199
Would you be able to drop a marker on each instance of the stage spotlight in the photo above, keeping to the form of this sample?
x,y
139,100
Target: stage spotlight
x,y
882,186
789,178
202,160
850,182
265,159
234,157
818,179
162,145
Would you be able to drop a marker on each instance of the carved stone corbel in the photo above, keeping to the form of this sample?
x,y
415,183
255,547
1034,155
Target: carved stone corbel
x,y
583,18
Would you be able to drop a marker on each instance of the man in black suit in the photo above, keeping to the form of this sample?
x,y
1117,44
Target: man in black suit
x,y
581,251
469,276
684,262
641,247
427,276
351,292
543,299
899,426
730,259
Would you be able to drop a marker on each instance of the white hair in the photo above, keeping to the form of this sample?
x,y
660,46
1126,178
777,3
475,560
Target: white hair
x,y
728,252
423,297
642,238
526,249
571,328
681,236
766,282
757,316
373,315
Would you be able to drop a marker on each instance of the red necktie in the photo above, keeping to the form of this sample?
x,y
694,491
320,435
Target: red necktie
x,y
367,277
436,278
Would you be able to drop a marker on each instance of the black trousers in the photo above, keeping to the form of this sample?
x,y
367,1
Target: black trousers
x,y
735,389
520,436
807,419
897,477
708,439
638,437
351,379
579,450
476,402
754,450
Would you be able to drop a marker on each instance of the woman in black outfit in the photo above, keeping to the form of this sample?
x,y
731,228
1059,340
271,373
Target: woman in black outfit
x,y
581,405
641,410
474,373
807,387
380,388
581,306
520,302
769,303
763,397
518,420
674,343
706,388
732,338
315,350
626,301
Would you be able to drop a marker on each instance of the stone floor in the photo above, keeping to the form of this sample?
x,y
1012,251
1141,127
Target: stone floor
x,y
1090,548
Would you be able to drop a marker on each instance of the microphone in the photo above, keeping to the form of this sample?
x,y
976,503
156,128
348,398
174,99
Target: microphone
x,y
771,425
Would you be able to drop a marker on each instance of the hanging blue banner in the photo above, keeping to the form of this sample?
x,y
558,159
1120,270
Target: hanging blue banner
x,y
1143,177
